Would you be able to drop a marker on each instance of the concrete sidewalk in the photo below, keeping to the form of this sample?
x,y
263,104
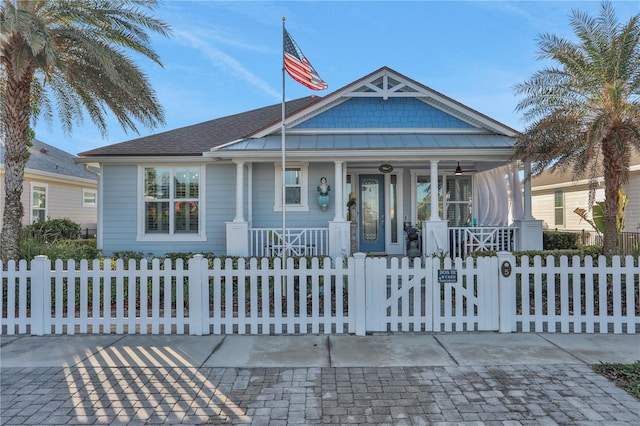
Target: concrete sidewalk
x,y
394,379
382,350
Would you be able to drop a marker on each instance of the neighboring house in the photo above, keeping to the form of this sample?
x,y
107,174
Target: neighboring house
x,y
380,141
556,195
55,187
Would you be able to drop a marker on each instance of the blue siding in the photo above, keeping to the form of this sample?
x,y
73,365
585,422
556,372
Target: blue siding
x,y
120,212
264,198
221,205
378,113
120,207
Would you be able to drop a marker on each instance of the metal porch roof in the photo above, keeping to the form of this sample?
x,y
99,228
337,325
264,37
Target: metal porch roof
x,y
372,141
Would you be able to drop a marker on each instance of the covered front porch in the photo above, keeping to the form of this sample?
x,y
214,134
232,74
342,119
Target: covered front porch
x,y
374,206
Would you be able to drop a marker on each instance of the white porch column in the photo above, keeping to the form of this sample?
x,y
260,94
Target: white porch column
x,y
434,190
239,192
339,228
435,236
529,229
338,184
238,230
527,190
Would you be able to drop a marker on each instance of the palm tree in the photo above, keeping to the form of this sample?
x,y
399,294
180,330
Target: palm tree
x,y
70,55
584,111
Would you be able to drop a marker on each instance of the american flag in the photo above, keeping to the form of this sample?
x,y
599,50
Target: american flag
x,y
298,67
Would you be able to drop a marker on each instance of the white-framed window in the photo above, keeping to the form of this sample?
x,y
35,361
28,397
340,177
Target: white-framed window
x,y
422,196
296,187
38,202
454,198
89,197
459,197
171,203
558,204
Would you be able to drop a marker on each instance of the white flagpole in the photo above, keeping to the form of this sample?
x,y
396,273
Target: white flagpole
x,y
282,144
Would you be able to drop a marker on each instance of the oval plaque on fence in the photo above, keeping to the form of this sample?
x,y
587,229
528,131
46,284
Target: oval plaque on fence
x,y
505,269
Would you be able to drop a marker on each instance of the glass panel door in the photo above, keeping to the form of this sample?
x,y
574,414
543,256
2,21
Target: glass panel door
x,y
372,218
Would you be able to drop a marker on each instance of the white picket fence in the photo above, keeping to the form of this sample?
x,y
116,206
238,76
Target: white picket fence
x,y
321,296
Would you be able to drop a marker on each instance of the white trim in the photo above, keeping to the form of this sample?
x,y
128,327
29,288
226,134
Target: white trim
x,y
398,246
172,237
386,131
139,159
95,195
304,187
390,154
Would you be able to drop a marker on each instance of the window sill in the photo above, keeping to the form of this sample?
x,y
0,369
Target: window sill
x,y
292,208
171,238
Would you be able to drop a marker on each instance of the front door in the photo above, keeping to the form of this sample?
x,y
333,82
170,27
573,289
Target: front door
x,y
371,234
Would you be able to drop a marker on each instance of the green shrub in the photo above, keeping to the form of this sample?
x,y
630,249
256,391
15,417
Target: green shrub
x,y
31,247
554,240
125,255
53,230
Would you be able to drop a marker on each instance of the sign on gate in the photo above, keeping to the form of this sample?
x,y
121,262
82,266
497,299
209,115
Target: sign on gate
x,y
448,275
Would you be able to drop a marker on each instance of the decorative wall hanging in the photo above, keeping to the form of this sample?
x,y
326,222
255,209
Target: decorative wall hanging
x,y
323,194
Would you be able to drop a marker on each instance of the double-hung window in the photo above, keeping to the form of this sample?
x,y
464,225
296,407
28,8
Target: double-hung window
x,y
172,202
458,200
38,202
558,204
295,187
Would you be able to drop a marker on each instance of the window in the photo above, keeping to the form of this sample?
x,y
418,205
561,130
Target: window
x,y
558,202
458,199
423,197
295,187
38,202
171,201
393,201
89,198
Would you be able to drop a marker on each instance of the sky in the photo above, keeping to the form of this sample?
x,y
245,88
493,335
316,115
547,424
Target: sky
x,y
225,58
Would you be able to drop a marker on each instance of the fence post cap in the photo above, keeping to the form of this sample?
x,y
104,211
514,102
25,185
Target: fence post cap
x,y
41,257
359,255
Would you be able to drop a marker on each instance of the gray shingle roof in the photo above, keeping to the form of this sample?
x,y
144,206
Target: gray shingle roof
x,y
198,138
567,175
47,158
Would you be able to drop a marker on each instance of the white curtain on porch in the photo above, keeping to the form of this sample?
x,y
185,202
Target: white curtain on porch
x,y
497,196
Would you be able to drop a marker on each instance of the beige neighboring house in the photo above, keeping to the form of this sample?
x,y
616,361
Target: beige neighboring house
x,y
555,196
55,187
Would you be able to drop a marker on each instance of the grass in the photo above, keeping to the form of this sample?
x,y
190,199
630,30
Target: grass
x,y
625,376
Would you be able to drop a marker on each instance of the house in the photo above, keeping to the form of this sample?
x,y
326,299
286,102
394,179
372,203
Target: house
x,y
556,195
359,163
56,187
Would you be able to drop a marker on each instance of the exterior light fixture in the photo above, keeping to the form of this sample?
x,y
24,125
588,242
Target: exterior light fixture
x,y
385,168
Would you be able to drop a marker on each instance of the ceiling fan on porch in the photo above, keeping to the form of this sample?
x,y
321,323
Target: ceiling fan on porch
x,y
459,170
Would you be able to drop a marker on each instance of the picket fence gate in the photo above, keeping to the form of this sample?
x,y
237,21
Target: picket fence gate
x,y
363,294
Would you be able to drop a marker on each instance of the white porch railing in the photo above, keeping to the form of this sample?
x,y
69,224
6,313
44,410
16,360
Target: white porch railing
x,y
465,240
298,242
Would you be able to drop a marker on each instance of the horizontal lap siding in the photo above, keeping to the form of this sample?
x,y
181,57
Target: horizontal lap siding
x,y
632,211
63,201
120,212
119,208
264,188
220,205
